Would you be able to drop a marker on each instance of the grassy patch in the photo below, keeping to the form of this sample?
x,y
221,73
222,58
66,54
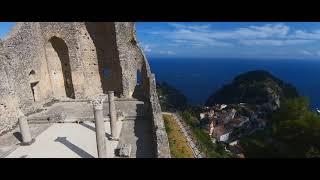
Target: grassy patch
x,y
179,147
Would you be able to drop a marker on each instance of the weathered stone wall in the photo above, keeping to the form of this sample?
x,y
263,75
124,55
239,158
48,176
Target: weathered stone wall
x,y
8,110
40,61
24,52
103,37
133,59
67,32
149,88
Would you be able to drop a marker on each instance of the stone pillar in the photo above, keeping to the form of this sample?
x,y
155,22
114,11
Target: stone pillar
x,y
113,116
100,129
25,131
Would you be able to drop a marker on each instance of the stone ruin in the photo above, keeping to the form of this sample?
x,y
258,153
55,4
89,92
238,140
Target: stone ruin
x,y
41,62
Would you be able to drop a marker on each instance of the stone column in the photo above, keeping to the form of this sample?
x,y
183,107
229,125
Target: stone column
x,y
100,129
25,131
113,116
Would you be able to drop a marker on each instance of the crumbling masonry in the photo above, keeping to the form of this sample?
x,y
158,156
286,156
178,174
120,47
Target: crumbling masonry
x,y
45,61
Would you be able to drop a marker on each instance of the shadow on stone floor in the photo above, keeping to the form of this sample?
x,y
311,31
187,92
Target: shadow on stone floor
x,y
143,133
94,129
74,148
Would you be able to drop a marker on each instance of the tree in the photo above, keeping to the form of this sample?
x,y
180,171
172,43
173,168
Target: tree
x,y
295,131
170,98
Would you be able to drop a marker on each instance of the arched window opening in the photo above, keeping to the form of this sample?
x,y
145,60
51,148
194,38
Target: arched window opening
x,y
104,41
32,72
34,85
105,72
138,78
34,89
137,90
60,68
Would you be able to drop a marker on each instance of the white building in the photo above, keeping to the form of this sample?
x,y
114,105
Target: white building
x,y
222,132
202,116
223,106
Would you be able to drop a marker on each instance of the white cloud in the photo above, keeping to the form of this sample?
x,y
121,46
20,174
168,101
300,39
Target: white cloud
x,y
301,34
146,47
167,52
305,52
277,34
155,33
190,35
174,44
193,27
253,32
179,41
274,42
310,53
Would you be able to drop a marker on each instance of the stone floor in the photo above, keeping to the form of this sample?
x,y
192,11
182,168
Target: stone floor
x,y
78,140
138,134
66,140
11,140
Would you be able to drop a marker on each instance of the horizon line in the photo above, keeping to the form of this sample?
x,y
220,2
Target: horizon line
x,y
245,58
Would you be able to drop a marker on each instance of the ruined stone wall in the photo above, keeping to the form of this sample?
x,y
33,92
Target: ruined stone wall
x,y
149,89
40,61
30,64
68,33
24,52
103,37
8,102
132,59
130,56
88,56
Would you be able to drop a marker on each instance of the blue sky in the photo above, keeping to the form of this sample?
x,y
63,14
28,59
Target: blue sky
x,y
5,27
231,40
292,40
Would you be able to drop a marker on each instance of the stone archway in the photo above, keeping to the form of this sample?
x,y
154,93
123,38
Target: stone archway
x,y
34,84
59,68
137,93
103,38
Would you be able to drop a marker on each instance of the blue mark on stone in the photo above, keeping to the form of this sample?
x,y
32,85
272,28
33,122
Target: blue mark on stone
x,y
105,72
138,78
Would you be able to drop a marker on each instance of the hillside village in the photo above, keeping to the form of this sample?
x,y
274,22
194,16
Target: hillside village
x,y
238,119
225,124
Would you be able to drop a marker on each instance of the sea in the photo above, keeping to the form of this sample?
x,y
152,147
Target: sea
x,y
198,78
